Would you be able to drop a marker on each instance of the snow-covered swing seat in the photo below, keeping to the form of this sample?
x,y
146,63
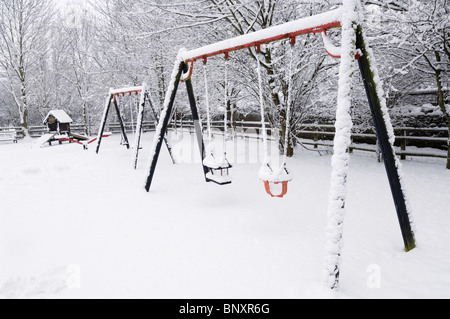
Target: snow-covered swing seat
x,y
219,167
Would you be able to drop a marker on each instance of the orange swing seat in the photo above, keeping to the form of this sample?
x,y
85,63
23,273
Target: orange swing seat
x,y
270,178
284,188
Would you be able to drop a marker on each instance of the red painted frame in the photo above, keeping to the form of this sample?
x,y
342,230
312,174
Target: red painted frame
x,y
291,35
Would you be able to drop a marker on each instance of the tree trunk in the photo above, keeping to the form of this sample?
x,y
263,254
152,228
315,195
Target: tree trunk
x,y
86,124
290,148
231,116
441,100
24,111
448,143
24,122
161,85
276,101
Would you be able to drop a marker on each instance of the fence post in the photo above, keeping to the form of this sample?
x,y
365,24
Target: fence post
x,y
403,144
316,136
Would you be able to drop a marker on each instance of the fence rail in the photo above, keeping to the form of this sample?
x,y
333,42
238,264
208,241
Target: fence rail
x,y
38,131
426,142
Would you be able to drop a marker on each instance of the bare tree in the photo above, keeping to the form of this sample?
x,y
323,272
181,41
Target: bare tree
x,y
23,41
415,36
84,69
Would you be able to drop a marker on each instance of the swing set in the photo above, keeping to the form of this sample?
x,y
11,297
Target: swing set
x,y
113,100
216,169
354,50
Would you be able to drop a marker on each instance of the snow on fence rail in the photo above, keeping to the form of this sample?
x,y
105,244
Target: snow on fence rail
x,y
130,127
422,142
427,142
38,131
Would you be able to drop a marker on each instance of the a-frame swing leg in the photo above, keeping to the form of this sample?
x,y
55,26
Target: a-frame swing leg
x,y
103,123
197,125
179,69
122,126
145,96
111,100
385,139
353,44
163,122
137,137
155,115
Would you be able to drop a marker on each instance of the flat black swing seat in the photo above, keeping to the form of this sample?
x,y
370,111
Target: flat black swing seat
x,y
218,171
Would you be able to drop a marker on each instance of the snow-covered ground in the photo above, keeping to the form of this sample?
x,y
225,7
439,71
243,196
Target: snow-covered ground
x,y
74,224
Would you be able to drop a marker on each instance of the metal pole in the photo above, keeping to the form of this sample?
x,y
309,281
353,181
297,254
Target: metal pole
x,y
386,147
196,119
103,123
122,126
162,125
155,115
139,121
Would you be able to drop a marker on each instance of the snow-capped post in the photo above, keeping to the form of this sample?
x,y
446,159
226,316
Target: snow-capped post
x,y
385,135
139,121
155,115
340,160
354,47
122,125
145,97
164,119
103,123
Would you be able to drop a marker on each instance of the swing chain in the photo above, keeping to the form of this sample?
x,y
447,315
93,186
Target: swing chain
x,y
266,164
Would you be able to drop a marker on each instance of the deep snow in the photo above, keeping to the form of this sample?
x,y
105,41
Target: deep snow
x,y
74,224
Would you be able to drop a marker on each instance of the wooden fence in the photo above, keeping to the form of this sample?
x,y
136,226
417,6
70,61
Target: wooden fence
x,y
37,131
422,142
409,141
417,142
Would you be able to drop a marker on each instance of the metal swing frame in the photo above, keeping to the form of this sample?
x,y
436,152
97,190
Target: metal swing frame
x,y
313,24
144,99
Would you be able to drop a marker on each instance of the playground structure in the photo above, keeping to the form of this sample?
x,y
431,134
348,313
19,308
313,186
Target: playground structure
x,y
58,127
144,99
58,121
58,130
354,49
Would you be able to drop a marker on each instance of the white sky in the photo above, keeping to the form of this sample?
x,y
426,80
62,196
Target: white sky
x,y
64,3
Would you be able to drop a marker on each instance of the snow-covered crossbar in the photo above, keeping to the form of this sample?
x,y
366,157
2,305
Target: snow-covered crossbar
x,y
313,24
127,90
